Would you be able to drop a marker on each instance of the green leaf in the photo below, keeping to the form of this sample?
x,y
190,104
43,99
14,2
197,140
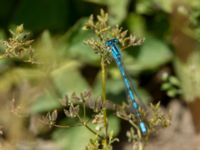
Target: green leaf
x,y
144,6
46,102
114,87
68,79
166,86
114,125
167,6
172,92
152,54
136,24
117,10
73,44
174,80
14,76
75,138
65,79
67,138
46,50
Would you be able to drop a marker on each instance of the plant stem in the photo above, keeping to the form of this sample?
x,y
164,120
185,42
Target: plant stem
x,y
90,129
136,127
103,78
140,144
84,110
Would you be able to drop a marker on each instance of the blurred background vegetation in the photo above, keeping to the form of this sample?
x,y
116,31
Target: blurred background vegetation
x,y
166,66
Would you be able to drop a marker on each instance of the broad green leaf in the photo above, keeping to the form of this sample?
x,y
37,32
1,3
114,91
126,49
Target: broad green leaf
x,y
46,51
74,47
13,76
167,6
152,54
115,88
136,24
114,125
114,84
46,102
174,81
67,78
67,138
144,6
166,86
64,80
75,138
172,92
117,10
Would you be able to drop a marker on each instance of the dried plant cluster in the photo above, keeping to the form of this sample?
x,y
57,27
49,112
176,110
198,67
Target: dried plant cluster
x,y
103,31
76,106
19,46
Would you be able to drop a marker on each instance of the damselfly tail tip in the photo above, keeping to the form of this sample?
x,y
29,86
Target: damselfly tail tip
x,y
143,128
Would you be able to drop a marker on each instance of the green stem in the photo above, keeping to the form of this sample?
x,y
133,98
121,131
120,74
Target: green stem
x,y
103,78
84,106
84,110
90,129
136,127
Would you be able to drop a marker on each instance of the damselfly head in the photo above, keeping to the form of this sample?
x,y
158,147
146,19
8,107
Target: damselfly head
x,y
111,42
